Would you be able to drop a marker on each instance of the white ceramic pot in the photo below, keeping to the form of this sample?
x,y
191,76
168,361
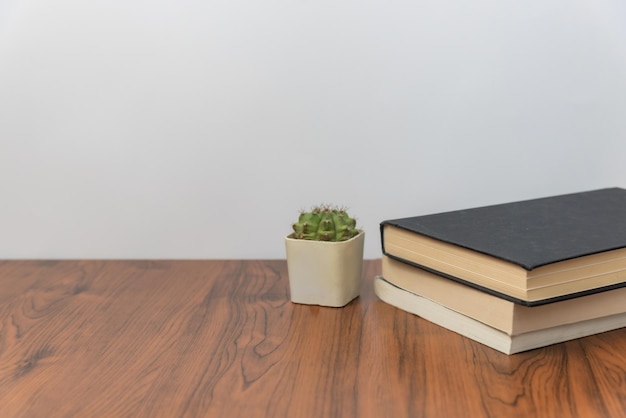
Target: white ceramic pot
x,y
324,273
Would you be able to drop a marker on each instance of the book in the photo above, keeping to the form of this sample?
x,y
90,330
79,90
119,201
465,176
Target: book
x,y
504,315
531,252
485,334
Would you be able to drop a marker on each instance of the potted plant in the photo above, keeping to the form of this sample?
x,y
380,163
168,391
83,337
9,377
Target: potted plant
x,y
324,257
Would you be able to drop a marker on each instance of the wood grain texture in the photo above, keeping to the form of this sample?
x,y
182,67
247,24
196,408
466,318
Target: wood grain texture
x,y
221,339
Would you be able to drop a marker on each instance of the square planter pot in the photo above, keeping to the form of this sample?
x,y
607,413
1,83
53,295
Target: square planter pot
x,y
324,273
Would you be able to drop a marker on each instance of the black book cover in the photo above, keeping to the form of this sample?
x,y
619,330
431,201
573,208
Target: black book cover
x,y
531,233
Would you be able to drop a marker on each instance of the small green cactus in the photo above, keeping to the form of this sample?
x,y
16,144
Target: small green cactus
x,y
325,223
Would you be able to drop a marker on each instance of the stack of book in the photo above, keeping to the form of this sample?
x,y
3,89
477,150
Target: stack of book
x,y
514,276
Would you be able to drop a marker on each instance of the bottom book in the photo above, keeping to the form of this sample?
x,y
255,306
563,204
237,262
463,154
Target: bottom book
x,y
485,334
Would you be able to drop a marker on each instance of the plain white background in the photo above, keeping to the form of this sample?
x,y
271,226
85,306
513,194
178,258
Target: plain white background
x,y
199,129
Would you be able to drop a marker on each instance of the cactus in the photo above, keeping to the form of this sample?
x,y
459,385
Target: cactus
x,y
325,223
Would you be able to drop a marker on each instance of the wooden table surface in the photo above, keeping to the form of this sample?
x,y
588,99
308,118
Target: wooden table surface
x,y
221,339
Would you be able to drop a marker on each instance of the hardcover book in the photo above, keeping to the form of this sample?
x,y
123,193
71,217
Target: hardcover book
x,y
485,334
531,252
501,314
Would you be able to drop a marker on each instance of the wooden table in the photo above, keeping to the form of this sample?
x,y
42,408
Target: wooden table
x,y
221,339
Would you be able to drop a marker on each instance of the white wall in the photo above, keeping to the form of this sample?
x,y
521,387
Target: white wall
x,y
198,129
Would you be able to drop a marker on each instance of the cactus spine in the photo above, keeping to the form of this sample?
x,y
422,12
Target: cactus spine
x,y
325,223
